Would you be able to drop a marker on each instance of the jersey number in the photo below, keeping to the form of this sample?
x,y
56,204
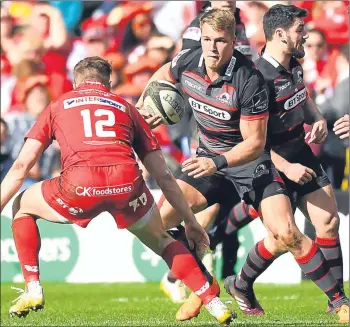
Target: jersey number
x,y
100,132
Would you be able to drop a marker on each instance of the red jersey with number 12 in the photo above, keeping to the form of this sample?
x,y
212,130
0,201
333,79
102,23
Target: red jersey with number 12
x,y
94,127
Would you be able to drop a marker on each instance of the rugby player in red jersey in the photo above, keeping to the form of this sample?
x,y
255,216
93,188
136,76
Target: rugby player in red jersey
x,y
98,132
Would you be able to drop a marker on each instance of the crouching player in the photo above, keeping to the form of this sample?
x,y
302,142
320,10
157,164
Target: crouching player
x,y
98,132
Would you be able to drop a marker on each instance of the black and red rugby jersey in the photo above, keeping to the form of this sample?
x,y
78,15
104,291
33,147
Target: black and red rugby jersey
x,y
218,106
288,96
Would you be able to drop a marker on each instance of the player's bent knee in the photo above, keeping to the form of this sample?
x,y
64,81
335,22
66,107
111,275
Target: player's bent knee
x,y
329,227
290,237
16,205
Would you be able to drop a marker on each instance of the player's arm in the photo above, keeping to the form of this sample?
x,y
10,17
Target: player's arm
x,y
254,103
13,181
163,73
37,140
313,116
294,171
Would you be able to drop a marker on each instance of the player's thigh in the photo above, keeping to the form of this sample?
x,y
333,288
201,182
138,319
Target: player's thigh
x,y
150,231
207,216
32,202
320,207
195,199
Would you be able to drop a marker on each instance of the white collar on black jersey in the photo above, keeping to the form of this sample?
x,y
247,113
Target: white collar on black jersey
x,y
270,59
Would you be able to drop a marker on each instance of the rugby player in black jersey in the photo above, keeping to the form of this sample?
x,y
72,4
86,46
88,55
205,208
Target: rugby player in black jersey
x,y
306,181
230,103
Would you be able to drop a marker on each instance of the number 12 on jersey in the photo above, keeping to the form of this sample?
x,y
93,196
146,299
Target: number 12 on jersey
x,y
100,124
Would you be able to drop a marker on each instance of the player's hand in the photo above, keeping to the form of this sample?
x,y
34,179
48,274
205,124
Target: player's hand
x,y
299,173
152,121
198,167
341,127
196,236
318,133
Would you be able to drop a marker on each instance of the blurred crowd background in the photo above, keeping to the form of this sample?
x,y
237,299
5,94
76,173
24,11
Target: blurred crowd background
x,y
41,41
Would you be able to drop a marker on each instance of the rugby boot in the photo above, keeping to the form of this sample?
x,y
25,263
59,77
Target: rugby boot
x,y
220,311
343,313
176,290
192,307
26,301
246,300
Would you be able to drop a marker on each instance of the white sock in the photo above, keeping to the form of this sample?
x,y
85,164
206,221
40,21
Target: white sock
x,y
35,287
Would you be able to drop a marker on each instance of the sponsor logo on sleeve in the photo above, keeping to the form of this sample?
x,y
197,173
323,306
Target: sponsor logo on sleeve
x,y
295,100
192,33
82,101
177,57
260,102
209,110
230,66
103,191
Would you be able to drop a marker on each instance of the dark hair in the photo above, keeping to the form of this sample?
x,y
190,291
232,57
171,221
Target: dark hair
x,y
319,32
281,16
93,68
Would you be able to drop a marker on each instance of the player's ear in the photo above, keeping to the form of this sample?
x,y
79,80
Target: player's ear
x,y
234,42
281,35
109,85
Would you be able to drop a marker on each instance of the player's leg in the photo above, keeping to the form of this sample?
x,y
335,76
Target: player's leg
x,y
196,201
321,208
305,252
27,208
181,262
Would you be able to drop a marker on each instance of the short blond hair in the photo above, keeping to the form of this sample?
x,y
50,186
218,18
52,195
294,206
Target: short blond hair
x,y
220,20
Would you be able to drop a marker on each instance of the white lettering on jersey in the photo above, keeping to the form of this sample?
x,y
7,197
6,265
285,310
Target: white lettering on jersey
x,y
230,67
209,110
103,191
82,101
192,33
295,100
177,57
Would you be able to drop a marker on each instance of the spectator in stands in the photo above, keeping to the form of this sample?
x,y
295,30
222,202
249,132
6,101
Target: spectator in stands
x,y
160,48
333,152
315,62
36,97
138,32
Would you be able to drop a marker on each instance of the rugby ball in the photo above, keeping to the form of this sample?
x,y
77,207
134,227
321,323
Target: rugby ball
x,y
163,99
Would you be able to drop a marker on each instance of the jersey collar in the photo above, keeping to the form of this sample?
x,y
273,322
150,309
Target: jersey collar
x,y
293,62
92,84
228,70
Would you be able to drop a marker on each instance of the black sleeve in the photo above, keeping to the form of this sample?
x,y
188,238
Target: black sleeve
x,y
254,97
178,65
191,38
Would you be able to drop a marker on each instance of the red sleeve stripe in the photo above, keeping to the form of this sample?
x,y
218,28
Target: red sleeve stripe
x,y
255,117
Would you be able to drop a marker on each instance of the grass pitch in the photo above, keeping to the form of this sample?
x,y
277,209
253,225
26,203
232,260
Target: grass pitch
x,y
144,305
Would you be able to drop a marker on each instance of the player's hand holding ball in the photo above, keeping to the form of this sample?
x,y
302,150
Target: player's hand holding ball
x,y
152,120
162,103
198,167
299,173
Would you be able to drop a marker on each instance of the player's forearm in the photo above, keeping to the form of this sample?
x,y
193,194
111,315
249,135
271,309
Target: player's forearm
x,y
12,182
311,113
161,74
280,163
244,152
174,195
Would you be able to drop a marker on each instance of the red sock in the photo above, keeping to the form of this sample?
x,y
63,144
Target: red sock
x,y
183,265
27,240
